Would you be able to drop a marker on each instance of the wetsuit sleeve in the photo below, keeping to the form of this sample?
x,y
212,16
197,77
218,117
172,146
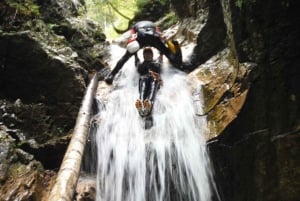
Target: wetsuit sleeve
x,y
121,62
137,61
158,44
159,58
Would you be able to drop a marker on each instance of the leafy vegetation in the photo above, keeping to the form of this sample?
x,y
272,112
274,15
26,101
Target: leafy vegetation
x,y
111,12
239,3
119,13
141,3
170,19
26,7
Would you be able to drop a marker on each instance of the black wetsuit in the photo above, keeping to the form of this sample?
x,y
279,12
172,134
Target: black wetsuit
x,y
149,81
146,35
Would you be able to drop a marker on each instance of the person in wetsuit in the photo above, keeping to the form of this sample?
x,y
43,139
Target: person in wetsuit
x,y
146,33
149,81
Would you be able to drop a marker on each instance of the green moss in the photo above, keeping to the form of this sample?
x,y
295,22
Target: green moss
x,y
27,7
16,169
239,3
141,3
172,18
169,20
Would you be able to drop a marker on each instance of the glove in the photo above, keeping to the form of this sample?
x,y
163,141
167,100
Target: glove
x,y
109,79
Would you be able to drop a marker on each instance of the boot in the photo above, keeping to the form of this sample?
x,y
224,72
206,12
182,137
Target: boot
x,y
139,106
147,107
109,78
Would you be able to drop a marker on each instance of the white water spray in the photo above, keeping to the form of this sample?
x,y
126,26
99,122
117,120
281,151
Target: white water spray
x,y
168,161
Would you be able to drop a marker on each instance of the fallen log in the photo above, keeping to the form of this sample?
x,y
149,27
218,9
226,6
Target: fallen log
x,y
66,181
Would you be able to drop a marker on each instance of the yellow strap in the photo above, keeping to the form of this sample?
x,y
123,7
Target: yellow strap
x,y
171,46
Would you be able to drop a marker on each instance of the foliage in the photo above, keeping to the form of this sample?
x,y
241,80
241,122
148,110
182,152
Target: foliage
x,y
239,3
111,12
141,3
119,13
26,7
170,19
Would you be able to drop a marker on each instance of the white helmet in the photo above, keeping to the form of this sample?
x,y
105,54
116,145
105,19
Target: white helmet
x,y
133,46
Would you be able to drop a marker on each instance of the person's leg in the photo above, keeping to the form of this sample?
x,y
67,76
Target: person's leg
x,y
149,101
154,85
143,88
143,91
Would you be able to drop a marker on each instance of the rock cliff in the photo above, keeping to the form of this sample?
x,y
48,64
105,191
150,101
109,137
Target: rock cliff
x,y
253,104
246,56
47,53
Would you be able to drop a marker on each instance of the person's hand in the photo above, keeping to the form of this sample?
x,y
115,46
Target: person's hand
x,y
109,79
160,58
163,38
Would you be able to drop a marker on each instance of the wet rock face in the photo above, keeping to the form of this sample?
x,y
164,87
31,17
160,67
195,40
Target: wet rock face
x,y
258,167
254,153
45,68
23,183
21,177
86,189
14,14
46,79
6,150
269,38
86,38
224,90
211,38
54,11
46,57
188,8
29,72
251,96
151,11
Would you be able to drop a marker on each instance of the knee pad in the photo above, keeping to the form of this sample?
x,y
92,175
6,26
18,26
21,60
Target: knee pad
x,y
133,46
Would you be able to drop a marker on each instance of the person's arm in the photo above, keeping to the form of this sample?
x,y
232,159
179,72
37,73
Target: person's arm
x,y
121,63
137,61
160,58
117,68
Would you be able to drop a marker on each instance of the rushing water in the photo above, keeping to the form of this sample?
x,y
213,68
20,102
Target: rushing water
x,y
164,163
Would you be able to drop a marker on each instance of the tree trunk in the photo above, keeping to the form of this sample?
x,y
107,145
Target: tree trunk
x,y
66,181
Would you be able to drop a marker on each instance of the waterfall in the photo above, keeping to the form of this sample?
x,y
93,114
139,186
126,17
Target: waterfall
x,y
164,163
